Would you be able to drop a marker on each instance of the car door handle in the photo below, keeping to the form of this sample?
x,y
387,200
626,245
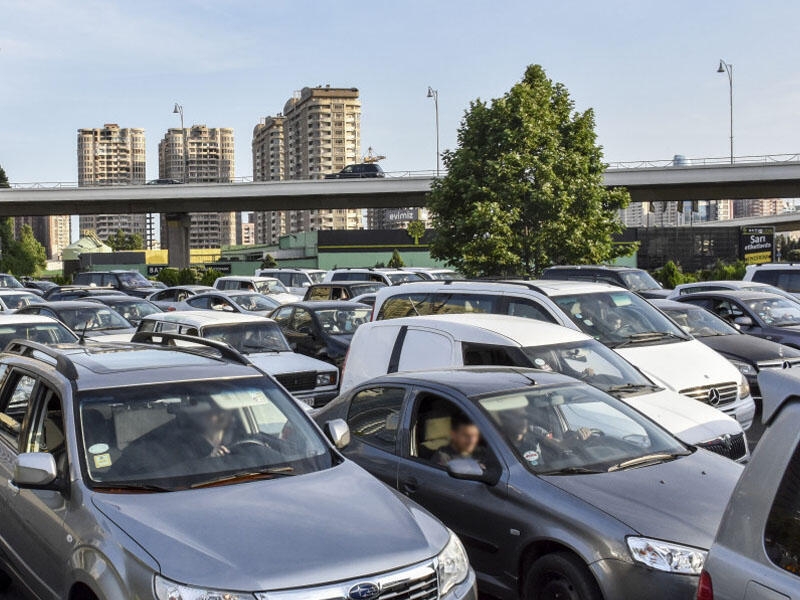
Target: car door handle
x,y
13,487
410,485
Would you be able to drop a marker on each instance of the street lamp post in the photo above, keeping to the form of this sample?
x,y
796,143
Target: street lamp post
x,y
432,93
725,67
178,110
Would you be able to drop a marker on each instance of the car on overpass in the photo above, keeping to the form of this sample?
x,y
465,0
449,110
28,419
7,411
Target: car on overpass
x,y
636,280
358,171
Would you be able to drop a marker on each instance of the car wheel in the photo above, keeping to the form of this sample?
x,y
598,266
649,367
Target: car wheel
x,y
560,576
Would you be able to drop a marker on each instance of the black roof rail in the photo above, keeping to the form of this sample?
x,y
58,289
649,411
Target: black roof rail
x,y
64,365
225,350
525,284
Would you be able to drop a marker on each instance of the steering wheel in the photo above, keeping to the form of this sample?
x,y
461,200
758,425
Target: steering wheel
x,y
250,442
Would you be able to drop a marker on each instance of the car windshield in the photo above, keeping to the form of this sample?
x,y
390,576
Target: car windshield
x,y
45,333
249,338
273,286
342,321
569,429
9,281
639,281
316,276
776,311
619,318
366,288
92,319
700,322
444,275
134,280
592,362
15,301
135,311
396,278
175,436
771,289
255,302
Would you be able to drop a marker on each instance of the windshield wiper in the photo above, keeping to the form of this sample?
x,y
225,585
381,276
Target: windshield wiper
x,y
629,387
571,471
648,336
639,461
246,476
131,487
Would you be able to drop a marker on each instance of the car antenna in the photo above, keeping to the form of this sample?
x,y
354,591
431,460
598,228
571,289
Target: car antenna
x,y
82,338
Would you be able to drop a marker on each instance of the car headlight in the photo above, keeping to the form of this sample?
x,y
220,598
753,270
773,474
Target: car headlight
x,y
326,378
666,556
452,565
745,368
744,388
169,590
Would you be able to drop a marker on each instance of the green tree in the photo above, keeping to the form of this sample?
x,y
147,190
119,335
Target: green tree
x,y
524,189
3,179
269,262
125,241
211,275
396,262
416,229
671,275
22,257
168,276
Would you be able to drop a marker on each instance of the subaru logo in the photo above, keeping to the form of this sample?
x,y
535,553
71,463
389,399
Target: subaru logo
x,y
713,397
364,591
787,364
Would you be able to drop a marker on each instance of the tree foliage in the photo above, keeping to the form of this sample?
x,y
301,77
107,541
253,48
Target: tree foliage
x,y
125,241
24,256
396,262
269,262
524,189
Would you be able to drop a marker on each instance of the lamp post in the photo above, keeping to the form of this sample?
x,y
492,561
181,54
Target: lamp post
x,y
432,93
178,110
728,68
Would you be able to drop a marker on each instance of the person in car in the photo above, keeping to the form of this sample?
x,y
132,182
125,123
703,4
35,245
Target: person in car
x,y
465,439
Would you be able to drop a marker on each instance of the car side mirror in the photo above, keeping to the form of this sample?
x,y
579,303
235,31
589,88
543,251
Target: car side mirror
x,y
745,322
469,469
338,432
35,471
305,284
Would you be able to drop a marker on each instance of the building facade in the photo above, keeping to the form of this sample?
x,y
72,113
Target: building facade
x,y
319,132
111,155
200,154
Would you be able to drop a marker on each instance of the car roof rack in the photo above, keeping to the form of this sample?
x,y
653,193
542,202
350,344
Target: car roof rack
x,y
63,364
225,350
531,286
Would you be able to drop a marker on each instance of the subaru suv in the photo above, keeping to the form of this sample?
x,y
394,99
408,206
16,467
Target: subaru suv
x,y
137,471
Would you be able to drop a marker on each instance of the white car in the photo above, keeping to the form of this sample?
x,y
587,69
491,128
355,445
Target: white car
x,y
698,287
296,280
310,380
618,318
783,275
387,276
269,286
420,343
11,300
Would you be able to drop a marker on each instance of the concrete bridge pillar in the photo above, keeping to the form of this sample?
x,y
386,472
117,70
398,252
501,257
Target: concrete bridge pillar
x,y
178,239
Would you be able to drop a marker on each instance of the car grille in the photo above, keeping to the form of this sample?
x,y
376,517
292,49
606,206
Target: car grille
x,y
296,382
731,446
785,363
413,583
718,394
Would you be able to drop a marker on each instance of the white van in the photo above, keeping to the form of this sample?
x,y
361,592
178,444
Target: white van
x,y
419,343
620,319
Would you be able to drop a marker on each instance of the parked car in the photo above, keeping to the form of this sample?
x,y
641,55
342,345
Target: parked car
x,y
177,473
748,353
756,553
9,281
783,275
635,280
728,284
132,283
434,273
557,489
77,292
87,319
368,299
762,315
341,290
39,285
44,330
387,276
11,300
269,286
310,380
359,171
170,298
616,317
131,308
250,303
419,343
322,330
296,280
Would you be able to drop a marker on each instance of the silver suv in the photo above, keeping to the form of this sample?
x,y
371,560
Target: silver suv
x,y
136,471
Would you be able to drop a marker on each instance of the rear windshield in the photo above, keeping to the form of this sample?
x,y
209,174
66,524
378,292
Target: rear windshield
x,y
410,305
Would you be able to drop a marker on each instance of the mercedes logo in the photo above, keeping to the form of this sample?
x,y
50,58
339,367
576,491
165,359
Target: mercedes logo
x,y
713,397
787,364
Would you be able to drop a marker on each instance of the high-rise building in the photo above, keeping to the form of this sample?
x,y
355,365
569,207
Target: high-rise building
x,y
319,132
111,155
207,157
53,232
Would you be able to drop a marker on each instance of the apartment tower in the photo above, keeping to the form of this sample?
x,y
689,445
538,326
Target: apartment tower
x,y
206,157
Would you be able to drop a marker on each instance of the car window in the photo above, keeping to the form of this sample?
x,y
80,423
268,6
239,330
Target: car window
x,y
438,303
425,350
321,292
528,309
374,416
17,399
283,315
201,302
789,281
46,433
296,280
301,322
486,354
782,532
769,276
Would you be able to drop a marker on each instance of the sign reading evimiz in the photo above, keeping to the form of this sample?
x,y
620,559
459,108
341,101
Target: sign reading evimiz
x,y
757,245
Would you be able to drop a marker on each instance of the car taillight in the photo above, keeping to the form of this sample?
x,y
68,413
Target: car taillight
x,y
705,591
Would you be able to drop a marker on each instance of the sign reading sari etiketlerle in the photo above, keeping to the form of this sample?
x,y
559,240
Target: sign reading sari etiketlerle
x,y
757,245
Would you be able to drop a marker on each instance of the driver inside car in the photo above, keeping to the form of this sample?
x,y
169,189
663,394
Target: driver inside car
x,y
465,442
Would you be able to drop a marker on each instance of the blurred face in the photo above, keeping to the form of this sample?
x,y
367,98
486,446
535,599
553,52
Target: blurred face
x,y
213,422
465,438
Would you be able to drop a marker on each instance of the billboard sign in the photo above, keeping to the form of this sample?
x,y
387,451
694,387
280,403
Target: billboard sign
x,y
757,245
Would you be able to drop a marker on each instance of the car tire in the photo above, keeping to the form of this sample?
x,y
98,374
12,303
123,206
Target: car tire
x,y
560,576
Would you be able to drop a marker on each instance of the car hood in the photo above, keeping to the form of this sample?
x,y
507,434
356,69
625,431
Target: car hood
x,y
323,527
655,294
689,420
682,365
749,347
279,363
680,501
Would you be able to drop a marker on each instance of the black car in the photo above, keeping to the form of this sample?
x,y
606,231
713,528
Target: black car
x,y
341,290
635,280
38,285
359,171
131,308
748,353
89,319
760,314
130,282
321,330
557,489
77,292
164,182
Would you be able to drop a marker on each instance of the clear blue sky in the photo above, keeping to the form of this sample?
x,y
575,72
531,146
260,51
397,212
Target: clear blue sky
x,y
647,68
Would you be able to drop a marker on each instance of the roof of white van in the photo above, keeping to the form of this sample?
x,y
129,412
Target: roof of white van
x,y
485,328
